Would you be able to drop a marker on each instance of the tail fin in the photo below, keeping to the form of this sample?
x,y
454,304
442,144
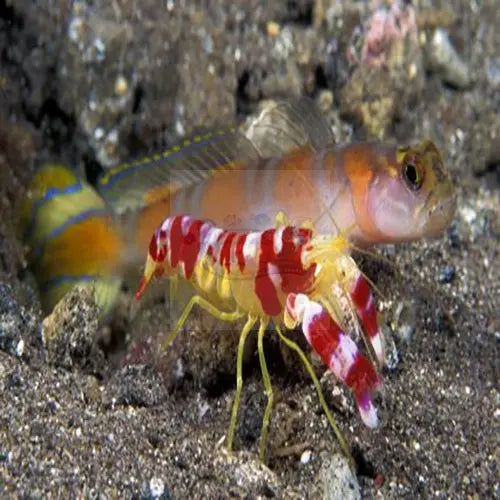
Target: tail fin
x,y
70,237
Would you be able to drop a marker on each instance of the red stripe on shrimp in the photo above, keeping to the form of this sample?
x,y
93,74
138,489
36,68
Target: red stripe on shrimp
x,y
294,278
322,333
363,380
280,266
175,241
225,252
264,286
240,244
365,305
191,247
185,241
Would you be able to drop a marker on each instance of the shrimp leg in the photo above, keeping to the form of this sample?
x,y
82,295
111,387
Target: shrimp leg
x,y
239,378
233,316
338,434
207,306
268,387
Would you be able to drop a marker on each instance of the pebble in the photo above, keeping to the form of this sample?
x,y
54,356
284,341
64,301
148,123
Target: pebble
x,y
17,325
325,100
121,86
305,458
447,274
154,489
338,479
444,59
136,385
20,348
69,332
157,487
273,28
493,72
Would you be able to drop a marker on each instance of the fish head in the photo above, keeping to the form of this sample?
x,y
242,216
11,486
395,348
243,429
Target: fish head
x,y
412,196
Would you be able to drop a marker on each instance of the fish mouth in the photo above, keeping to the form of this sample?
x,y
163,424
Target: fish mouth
x,y
440,208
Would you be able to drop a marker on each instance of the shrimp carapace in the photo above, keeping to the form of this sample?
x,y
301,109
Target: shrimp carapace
x,y
286,275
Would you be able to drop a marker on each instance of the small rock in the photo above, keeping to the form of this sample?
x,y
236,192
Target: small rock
x,y
69,333
20,348
388,75
386,27
493,72
305,458
444,59
338,479
273,29
247,476
447,274
121,86
325,100
136,385
154,489
18,327
157,487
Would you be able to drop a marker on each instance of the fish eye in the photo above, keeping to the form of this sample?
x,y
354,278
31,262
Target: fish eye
x,y
412,176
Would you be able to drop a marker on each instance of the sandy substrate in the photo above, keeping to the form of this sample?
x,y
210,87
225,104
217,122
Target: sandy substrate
x,y
90,85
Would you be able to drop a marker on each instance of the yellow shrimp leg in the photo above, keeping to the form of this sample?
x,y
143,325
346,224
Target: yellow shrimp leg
x,y
281,219
204,304
239,379
225,316
268,387
342,442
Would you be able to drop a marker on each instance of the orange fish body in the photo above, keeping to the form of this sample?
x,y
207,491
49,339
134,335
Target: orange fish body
x,y
360,185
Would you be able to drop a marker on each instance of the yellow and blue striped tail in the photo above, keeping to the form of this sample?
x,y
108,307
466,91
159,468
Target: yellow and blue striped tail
x,y
71,238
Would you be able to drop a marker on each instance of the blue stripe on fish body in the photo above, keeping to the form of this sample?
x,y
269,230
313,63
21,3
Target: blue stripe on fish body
x,y
49,195
68,278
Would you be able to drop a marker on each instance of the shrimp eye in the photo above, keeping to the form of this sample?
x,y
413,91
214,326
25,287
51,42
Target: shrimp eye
x,y
412,176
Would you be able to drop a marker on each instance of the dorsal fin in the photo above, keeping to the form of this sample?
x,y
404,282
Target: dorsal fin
x,y
285,125
138,183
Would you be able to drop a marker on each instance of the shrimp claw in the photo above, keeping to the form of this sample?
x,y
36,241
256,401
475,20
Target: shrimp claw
x,y
337,350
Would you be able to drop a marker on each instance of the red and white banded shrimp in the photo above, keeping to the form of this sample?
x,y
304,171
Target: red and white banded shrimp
x,y
287,275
